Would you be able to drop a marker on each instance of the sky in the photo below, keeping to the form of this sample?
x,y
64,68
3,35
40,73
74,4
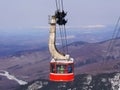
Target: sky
x,y
20,14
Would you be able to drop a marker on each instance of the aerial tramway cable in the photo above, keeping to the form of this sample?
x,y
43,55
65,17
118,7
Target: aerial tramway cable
x,y
56,4
61,37
60,14
62,5
59,4
114,36
66,39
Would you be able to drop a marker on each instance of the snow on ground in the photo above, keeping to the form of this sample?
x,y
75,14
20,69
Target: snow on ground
x,y
11,77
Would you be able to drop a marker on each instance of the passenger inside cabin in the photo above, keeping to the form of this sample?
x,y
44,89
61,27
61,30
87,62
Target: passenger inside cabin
x,y
69,68
61,69
58,69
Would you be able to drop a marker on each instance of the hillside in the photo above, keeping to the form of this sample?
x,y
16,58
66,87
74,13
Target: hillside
x,y
109,81
33,64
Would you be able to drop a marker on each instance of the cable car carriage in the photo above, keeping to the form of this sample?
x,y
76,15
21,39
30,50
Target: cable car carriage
x,y
61,65
61,70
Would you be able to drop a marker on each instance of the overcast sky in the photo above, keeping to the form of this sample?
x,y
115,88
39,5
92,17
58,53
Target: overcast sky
x,y
34,13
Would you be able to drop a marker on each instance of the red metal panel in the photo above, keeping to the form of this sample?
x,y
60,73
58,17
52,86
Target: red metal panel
x,y
62,77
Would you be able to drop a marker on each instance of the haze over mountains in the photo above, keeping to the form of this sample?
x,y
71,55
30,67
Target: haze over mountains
x,y
13,41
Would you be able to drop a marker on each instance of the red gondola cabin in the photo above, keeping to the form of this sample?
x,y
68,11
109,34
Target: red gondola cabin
x,y
61,71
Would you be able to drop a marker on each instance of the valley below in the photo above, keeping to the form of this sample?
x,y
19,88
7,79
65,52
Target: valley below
x,y
31,65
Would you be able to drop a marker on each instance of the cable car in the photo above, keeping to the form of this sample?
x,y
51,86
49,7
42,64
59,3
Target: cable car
x,y
61,65
61,70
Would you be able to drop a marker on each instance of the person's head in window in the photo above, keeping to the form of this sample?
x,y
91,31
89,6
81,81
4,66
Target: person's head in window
x,y
69,69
